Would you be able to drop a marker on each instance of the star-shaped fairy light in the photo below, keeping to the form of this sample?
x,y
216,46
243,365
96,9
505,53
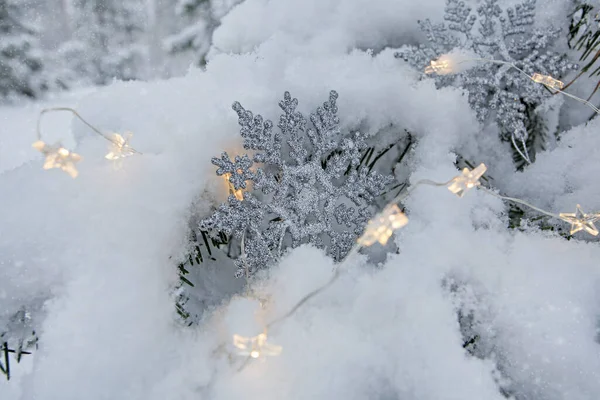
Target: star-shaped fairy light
x,y
467,180
548,81
120,148
581,221
381,228
238,193
255,347
440,67
58,157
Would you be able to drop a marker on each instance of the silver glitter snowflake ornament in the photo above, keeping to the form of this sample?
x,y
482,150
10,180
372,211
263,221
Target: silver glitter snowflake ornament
x,y
309,187
496,90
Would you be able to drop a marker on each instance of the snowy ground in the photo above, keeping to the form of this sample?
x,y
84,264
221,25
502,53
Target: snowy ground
x,y
96,250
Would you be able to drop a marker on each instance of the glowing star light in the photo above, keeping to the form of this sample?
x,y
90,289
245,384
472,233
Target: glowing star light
x,y
383,226
548,81
120,147
255,347
58,157
440,67
467,180
581,221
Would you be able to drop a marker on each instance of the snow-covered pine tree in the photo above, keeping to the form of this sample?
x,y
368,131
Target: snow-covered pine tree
x,y
201,18
21,65
108,40
196,35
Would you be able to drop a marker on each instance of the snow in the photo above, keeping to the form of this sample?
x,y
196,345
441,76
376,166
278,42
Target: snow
x,y
560,185
323,26
99,251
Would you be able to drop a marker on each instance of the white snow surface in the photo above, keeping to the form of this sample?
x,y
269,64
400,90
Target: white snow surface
x,y
97,249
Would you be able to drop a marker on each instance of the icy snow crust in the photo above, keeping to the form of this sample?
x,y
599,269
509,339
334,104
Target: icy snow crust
x,y
95,251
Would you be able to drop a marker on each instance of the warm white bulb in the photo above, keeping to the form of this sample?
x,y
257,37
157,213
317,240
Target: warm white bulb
x,y
440,67
58,157
255,347
581,221
548,81
467,180
382,227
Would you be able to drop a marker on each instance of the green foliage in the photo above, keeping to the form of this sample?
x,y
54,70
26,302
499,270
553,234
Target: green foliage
x,y
202,247
584,36
517,215
22,347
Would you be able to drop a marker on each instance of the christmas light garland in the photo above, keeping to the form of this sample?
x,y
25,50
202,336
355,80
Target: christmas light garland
x,y
59,157
380,229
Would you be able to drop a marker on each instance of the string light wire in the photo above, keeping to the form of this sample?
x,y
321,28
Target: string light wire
x,y
45,111
468,180
518,201
59,157
524,154
587,103
72,111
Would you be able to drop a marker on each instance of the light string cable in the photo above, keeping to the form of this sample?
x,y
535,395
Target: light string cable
x,y
75,113
579,220
518,201
59,157
55,109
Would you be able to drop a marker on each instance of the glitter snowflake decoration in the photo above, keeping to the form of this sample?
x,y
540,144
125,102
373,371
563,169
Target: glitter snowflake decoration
x,y
496,90
309,187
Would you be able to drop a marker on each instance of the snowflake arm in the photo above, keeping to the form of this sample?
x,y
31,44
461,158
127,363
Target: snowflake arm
x,y
459,17
238,172
326,123
258,135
